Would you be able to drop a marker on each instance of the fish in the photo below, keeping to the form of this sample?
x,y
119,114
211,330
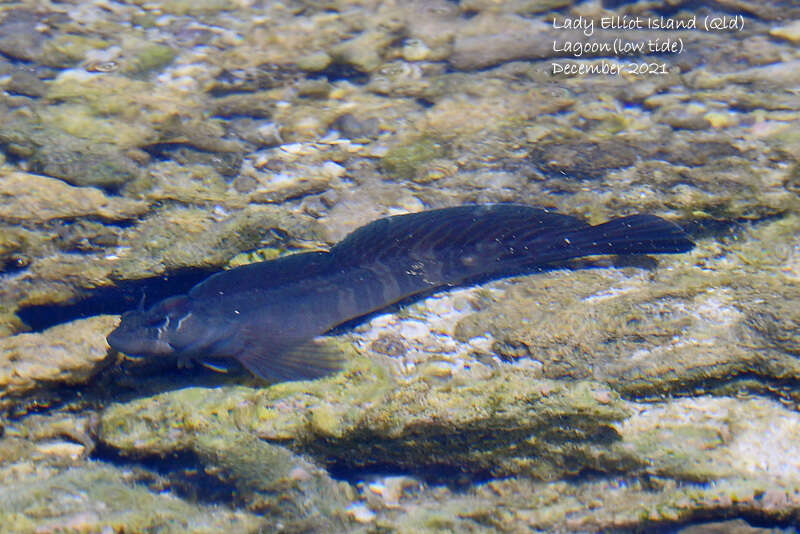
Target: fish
x,y
268,315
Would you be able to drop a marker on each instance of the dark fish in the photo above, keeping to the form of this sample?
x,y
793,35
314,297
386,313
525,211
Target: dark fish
x,y
265,315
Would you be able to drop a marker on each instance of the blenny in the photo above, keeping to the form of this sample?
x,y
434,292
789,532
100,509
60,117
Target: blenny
x,y
266,315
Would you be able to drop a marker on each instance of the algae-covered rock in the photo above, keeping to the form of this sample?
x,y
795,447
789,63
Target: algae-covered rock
x,y
99,166
711,438
274,481
611,505
13,245
56,278
778,74
62,440
477,109
405,160
676,329
21,38
82,122
483,43
244,104
66,49
45,226
362,52
191,237
31,198
186,182
67,354
18,38
26,82
745,446
202,110
147,57
584,160
282,190
56,153
184,7
269,478
507,423
141,103
100,498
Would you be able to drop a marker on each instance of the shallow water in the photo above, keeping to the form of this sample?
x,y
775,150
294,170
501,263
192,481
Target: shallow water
x,y
145,145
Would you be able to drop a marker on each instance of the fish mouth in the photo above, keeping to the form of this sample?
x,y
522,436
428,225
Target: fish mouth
x,y
114,340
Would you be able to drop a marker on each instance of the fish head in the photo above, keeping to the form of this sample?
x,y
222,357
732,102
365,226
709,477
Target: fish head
x,y
148,332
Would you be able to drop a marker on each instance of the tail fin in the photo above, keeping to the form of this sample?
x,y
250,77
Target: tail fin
x,y
424,250
636,234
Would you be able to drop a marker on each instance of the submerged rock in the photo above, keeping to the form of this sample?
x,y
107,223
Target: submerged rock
x,y
615,504
22,37
33,199
99,166
362,52
100,498
406,160
58,154
506,423
189,237
672,388
679,329
584,160
65,355
269,478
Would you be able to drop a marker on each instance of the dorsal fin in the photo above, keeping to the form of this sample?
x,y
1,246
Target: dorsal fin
x,y
458,228
264,275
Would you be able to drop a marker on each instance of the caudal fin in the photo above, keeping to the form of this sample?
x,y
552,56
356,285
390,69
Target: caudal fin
x,y
636,234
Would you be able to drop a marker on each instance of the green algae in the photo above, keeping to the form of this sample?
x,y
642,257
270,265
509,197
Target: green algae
x,y
65,50
718,322
114,94
97,497
148,58
190,7
66,354
684,329
509,423
82,122
406,160
191,237
54,152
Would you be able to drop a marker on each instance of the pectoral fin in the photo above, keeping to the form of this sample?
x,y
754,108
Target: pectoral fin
x,y
308,360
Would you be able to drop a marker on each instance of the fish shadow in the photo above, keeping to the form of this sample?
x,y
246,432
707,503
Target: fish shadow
x,y
602,262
